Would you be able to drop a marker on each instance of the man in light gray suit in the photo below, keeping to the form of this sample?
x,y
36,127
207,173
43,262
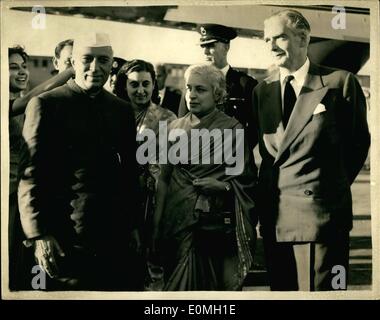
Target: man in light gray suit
x,y
313,139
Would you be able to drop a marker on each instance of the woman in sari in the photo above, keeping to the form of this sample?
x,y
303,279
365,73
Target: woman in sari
x,y
204,224
136,83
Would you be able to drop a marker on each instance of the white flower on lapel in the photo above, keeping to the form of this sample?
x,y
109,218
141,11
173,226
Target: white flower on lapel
x,y
320,108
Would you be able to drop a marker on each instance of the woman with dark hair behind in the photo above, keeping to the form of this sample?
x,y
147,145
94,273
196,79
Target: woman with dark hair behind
x,y
136,83
120,85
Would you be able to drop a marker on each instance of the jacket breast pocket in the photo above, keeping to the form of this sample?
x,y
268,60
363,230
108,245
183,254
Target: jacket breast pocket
x,y
324,126
319,116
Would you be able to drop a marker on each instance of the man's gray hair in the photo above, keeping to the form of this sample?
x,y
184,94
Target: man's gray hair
x,y
296,20
213,75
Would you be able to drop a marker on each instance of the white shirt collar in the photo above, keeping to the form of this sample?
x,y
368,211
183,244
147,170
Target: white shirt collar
x,y
225,69
161,93
299,75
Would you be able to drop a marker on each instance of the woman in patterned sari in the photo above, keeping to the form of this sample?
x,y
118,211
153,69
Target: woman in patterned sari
x,y
204,224
136,83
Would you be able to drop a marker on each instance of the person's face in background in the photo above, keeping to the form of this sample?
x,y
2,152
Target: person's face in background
x,y
139,88
64,61
216,53
161,77
92,67
18,73
199,96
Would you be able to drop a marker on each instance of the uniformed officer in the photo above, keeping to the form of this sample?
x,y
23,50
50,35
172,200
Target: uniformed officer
x,y
117,63
215,41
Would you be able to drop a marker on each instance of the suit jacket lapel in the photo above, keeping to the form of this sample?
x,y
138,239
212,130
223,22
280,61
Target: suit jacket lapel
x,y
311,94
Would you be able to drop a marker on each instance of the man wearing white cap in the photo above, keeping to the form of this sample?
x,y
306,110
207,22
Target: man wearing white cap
x,y
79,166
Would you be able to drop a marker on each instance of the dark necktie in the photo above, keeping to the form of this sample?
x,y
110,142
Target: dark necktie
x,y
289,100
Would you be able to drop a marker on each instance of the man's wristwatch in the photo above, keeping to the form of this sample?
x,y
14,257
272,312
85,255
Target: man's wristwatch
x,y
227,186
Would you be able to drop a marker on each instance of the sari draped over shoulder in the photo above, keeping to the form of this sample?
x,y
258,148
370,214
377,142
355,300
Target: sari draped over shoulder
x,y
194,262
149,118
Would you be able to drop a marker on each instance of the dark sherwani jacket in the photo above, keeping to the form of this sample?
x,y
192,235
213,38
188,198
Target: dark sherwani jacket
x,y
78,168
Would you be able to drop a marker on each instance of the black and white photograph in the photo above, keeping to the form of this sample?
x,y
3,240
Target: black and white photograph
x,y
224,150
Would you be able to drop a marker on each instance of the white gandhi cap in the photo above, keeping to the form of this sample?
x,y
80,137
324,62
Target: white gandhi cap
x,y
92,39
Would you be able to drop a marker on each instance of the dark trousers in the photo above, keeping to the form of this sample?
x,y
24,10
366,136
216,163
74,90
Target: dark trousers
x,y
306,266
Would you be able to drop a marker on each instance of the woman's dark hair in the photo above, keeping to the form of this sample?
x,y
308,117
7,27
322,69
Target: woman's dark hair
x,y
135,66
18,50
